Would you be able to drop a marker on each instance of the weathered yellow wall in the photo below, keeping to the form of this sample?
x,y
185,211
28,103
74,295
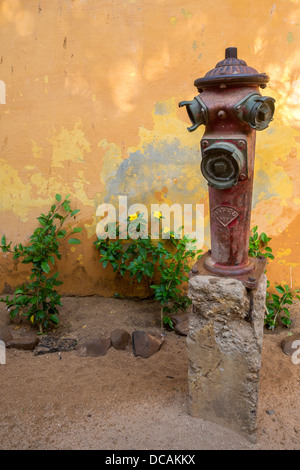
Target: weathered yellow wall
x,y
92,88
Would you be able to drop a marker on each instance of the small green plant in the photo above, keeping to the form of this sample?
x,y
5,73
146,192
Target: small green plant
x,y
38,300
167,259
258,245
276,305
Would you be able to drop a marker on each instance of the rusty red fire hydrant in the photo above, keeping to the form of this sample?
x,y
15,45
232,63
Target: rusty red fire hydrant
x,y
232,109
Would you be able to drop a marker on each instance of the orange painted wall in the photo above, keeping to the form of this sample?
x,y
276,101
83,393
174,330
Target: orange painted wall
x,y
92,88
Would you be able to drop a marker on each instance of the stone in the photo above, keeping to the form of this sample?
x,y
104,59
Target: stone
x,y
289,344
93,347
181,324
5,333
145,344
120,338
49,344
24,342
224,347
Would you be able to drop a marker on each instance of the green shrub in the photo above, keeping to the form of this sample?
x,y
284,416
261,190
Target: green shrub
x,y
38,300
276,305
144,258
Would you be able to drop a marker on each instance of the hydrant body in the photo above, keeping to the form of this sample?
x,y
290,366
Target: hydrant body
x,y
232,109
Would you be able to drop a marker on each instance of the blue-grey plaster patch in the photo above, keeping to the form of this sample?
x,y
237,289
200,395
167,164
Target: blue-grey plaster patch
x,y
161,108
166,160
261,184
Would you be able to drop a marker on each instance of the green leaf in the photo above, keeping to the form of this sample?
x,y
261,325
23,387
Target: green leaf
x,y
75,212
264,238
74,241
61,233
45,267
54,319
77,229
286,321
42,221
19,290
58,197
279,289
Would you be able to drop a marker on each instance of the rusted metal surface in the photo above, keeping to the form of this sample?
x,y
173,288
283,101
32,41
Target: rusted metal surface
x,y
249,279
230,208
232,109
231,70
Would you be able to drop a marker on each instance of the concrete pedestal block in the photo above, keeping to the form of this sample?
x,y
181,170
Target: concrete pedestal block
x,y
224,346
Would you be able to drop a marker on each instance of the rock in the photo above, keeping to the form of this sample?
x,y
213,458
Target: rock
x,y
224,347
270,412
119,338
24,342
5,334
181,324
48,344
288,344
145,344
93,347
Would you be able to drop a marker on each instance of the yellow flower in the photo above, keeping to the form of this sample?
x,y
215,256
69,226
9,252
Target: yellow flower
x,y
157,214
167,230
133,217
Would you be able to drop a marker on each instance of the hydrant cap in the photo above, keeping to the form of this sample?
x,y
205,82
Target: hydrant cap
x,y
233,71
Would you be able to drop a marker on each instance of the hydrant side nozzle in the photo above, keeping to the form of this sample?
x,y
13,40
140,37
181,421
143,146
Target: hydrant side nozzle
x,y
184,103
256,110
197,112
194,127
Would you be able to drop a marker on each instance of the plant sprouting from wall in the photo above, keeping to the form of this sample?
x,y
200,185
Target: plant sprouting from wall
x,y
277,305
38,299
164,263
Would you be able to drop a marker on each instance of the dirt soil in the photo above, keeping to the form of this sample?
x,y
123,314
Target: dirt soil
x,y
119,401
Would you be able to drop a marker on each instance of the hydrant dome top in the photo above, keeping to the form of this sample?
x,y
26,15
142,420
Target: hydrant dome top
x,y
233,71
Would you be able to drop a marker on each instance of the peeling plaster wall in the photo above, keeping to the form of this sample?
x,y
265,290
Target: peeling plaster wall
x,y
92,88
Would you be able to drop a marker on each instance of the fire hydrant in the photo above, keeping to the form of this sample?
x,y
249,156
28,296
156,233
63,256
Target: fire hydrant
x,y
232,110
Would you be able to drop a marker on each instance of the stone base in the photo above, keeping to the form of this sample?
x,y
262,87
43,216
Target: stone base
x,y
224,346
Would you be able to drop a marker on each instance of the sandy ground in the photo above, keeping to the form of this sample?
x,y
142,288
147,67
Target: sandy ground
x,y
119,401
